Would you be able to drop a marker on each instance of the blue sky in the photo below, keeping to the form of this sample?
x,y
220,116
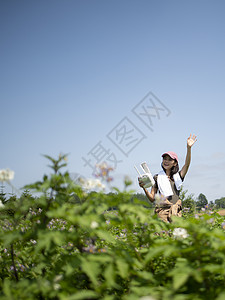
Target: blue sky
x,y
72,71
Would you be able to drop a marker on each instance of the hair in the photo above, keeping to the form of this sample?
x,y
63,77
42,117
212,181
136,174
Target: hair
x,y
173,170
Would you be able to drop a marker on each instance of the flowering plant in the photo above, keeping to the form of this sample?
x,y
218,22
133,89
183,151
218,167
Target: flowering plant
x,y
103,171
6,175
70,243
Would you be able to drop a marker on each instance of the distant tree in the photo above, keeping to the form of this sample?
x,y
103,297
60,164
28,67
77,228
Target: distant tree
x,y
201,201
220,203
211,204
188,201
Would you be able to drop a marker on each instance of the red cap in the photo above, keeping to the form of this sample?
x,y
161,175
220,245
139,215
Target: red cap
x,y
173,155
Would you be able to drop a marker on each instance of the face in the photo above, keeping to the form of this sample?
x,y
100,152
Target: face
x,y
168,162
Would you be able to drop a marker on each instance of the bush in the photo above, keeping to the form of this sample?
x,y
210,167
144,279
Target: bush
x,y
70,244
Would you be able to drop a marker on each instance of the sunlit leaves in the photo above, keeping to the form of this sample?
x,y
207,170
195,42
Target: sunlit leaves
x,y
68,244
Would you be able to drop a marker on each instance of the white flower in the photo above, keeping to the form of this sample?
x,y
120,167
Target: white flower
x,y
94,224
33,242
146,298
56,286
122,234
58,278
91,184
6,175
1,204
103,165
180,233
99,184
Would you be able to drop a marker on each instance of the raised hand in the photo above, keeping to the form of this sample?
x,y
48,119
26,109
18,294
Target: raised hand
x,y
191,140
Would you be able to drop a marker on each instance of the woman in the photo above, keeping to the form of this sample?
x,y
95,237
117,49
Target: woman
x,y
168,183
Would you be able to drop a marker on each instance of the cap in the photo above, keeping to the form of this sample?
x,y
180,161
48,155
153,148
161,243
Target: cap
x,y
173,155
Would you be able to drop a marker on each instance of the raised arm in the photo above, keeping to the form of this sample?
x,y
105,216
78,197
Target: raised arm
x,y
190,142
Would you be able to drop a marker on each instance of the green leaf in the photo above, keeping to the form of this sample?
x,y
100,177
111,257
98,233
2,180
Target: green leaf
x,y
91,269
84,294
10,237
50,158
146,275
7,289
105,235
154,252
109,275
71,265
108,297
122,267
101,258
50,239
198,276
214,268
62,165
179,279
221,296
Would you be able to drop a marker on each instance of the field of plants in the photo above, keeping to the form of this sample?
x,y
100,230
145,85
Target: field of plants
x,y
69,243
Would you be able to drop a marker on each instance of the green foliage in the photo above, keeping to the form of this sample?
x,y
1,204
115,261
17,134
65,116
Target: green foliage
x,y
220,203
188,203
201,201
68,244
